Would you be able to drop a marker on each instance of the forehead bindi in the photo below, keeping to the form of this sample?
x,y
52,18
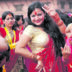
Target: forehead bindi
x,y
36,11
9,16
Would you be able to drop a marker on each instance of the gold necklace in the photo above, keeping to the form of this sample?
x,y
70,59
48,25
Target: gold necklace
x,y
12,45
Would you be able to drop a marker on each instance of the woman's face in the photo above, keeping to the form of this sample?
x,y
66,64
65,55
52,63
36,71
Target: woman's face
x,y
37,16
69,31
9,20
20,21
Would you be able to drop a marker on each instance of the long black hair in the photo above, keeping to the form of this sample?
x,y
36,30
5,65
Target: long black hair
x,y
49,26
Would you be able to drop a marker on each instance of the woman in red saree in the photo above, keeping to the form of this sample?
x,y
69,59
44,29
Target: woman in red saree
x,y
11,37
45,40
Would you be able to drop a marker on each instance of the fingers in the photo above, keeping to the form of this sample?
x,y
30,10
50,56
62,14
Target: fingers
x,y
49,9
39,68
45,7
61,49
44,69
67,49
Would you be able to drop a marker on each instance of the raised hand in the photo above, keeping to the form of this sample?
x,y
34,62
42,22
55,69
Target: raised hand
x,y
40,65
49,9
66,51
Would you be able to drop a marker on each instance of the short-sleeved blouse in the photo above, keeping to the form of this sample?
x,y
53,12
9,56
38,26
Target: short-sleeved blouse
x,y
39,38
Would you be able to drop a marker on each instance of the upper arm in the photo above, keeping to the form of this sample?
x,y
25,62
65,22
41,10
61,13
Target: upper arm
x,y
25,37
23,41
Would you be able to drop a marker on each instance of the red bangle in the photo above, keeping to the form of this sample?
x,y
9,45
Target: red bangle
x,y
60,23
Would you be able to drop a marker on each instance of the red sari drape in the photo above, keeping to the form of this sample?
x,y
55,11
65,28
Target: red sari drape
x,y
13,57
50,61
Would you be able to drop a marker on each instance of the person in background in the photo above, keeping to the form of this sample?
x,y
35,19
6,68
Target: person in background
x,y
48,50
19,22
69,43
11,37
19,25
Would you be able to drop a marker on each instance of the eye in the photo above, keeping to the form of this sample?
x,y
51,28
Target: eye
x,y
7,19
33,15
39,14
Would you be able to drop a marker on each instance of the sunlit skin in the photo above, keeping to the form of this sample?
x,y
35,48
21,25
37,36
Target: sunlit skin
x,y
37,16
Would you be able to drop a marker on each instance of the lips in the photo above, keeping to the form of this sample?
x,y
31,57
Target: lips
x,y
38,21
11,23
70,38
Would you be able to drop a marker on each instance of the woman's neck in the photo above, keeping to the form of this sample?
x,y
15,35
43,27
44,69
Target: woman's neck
x,y
9,29
39,28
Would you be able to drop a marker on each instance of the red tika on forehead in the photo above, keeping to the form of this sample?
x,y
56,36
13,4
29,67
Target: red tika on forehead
x,y
9,14
35,12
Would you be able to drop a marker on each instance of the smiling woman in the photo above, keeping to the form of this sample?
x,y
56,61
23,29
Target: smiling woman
x,y
45,40
11,37
37,16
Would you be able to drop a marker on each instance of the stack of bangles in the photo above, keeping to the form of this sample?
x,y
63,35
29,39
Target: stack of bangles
x,y
57,19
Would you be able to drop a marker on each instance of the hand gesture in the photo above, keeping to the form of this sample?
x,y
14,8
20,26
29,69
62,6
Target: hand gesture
x,y
40,66
66,51
49,9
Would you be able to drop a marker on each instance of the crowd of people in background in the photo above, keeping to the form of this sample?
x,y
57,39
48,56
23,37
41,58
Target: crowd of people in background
x,y
44,38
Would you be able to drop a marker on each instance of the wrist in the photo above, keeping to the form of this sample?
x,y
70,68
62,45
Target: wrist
x,y
36,57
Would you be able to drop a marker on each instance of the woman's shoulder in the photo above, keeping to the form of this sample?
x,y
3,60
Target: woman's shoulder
x,y
29,30
2,31
30,27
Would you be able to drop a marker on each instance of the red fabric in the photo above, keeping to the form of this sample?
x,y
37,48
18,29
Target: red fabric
x,y
1,21
56,18
70,57
51,63
20,29
13,57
